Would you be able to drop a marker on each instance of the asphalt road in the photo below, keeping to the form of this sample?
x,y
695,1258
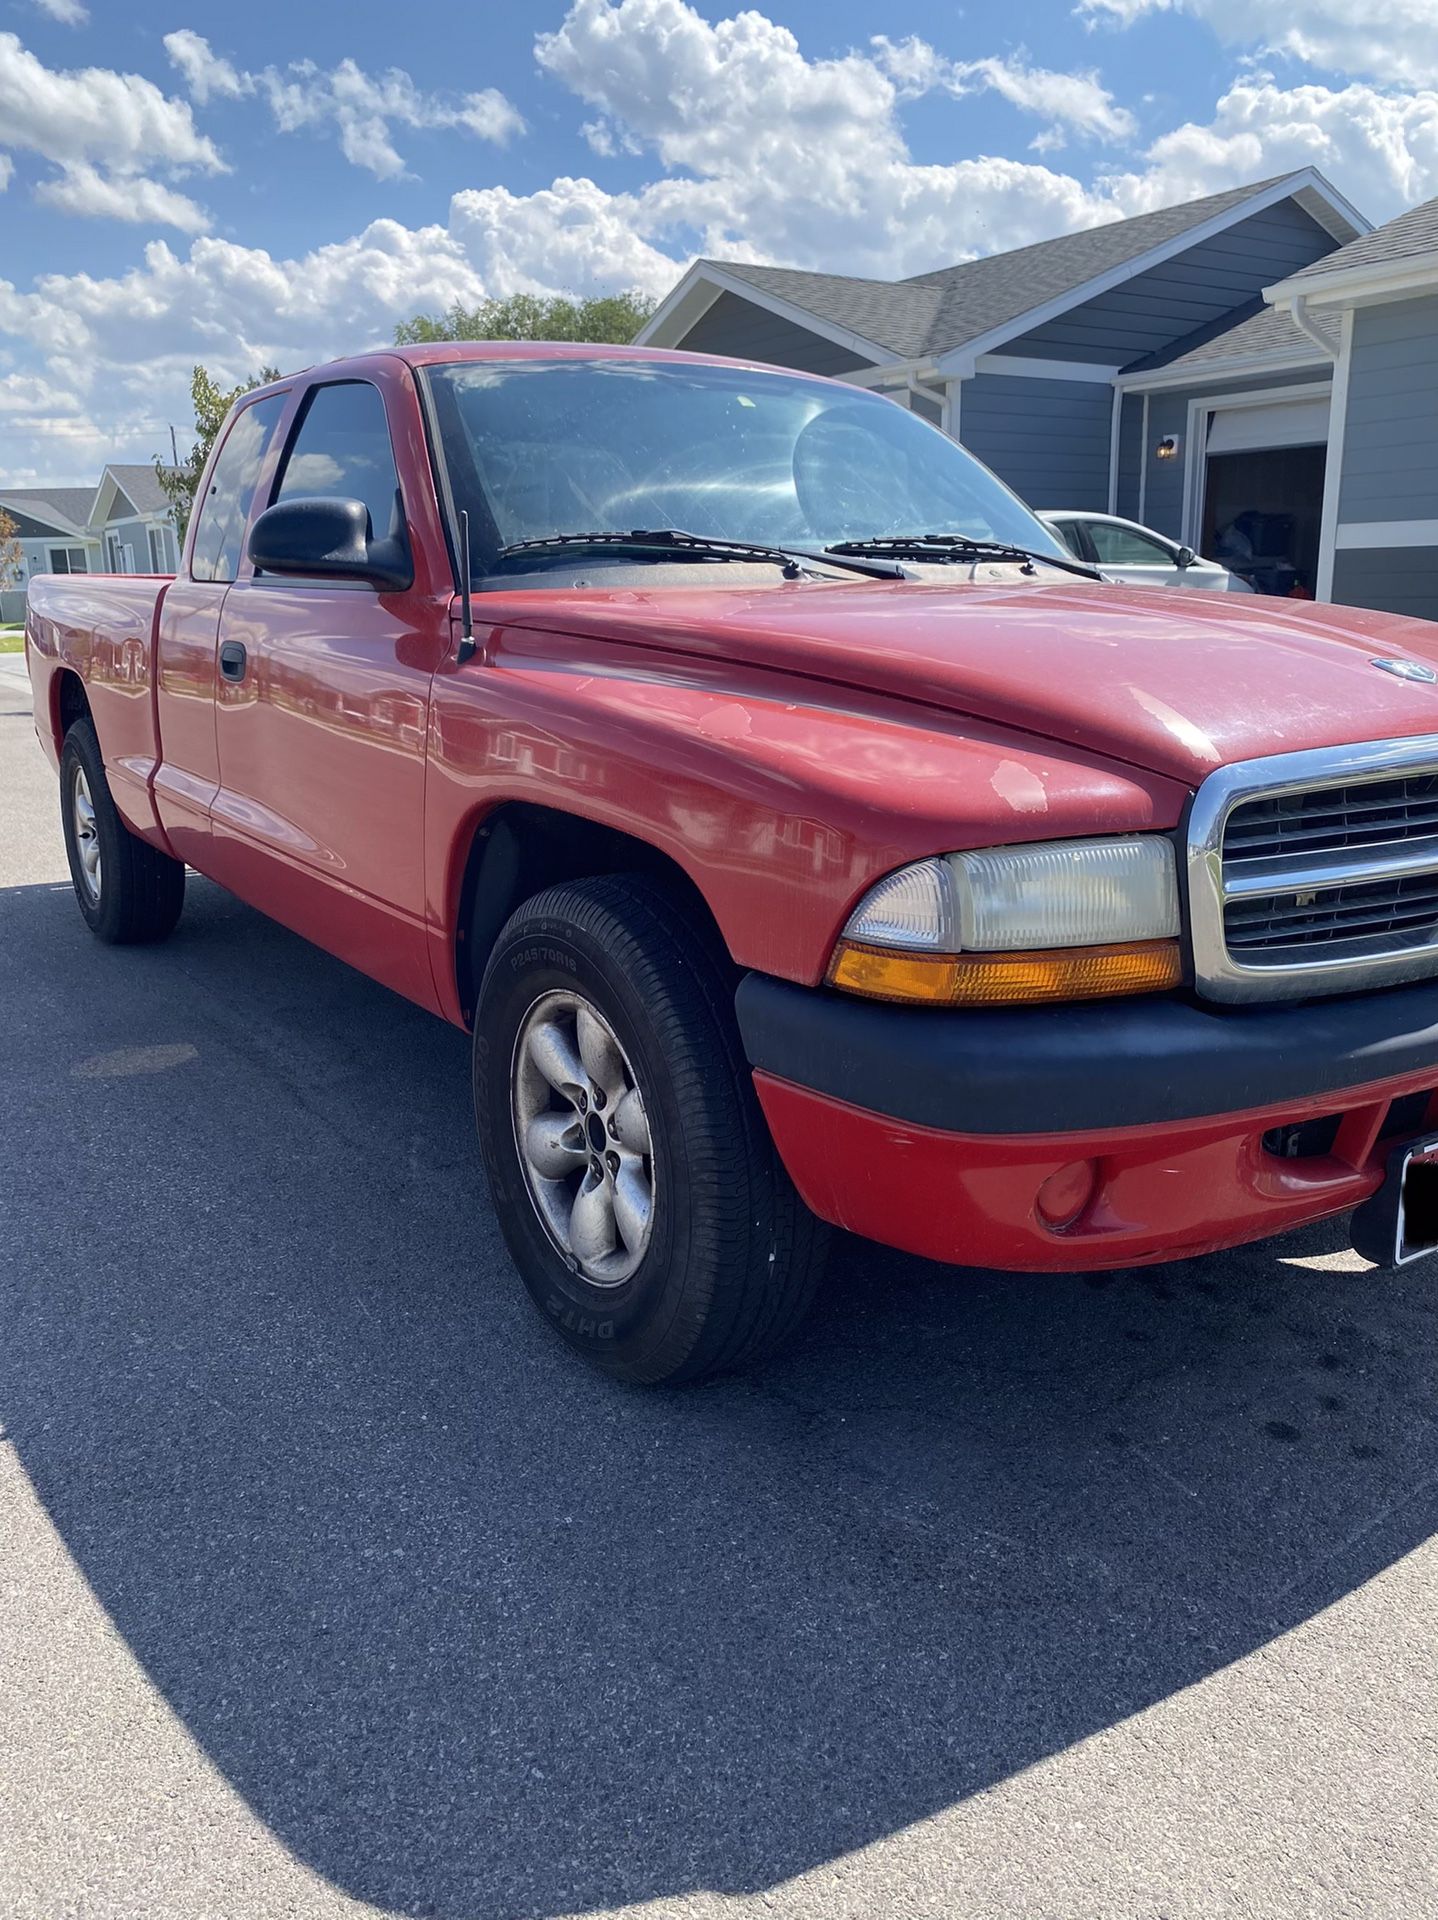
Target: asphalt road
x,y
330,1584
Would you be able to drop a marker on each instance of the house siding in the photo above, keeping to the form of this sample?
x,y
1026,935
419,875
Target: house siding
x,y
743,331
1130,455
1390,443
1195,287
1049,439
1391,579
131,533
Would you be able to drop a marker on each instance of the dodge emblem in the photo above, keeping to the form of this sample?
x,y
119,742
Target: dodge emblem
x,y
1406,669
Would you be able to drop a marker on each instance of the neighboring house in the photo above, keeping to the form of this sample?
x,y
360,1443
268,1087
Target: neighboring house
x,y
122,526
1131,368
1375,303
53,528
131,517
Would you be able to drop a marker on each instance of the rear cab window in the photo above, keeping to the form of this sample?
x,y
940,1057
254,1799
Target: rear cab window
x,y
224,513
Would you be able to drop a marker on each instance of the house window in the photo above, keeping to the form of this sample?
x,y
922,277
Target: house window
x,y
68,560
160,560
112,547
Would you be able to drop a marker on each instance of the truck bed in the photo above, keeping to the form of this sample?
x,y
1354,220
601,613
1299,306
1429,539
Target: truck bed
x,y
101,627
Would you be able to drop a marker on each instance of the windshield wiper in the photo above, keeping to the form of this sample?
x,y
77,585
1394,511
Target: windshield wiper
x,y
669,542
959,546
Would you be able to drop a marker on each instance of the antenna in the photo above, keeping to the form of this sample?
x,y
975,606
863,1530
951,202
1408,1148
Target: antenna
x,y
465,649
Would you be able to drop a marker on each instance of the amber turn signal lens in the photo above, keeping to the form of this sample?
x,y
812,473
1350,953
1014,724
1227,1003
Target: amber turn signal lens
x,y
1005,979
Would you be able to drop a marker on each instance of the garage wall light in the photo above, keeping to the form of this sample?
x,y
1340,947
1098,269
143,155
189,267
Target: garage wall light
x,y
1167,448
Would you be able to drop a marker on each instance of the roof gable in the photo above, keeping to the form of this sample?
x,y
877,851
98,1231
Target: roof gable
x,y
1408,236
978,304
1203,284
127,493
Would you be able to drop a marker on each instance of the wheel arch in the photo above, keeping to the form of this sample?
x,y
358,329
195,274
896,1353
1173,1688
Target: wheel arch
x,y
69,702
520,848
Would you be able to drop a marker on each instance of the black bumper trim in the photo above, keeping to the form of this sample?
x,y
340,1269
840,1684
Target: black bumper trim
x,y
1077,1069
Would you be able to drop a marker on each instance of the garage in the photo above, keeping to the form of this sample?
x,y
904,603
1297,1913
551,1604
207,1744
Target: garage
x,y
1260,508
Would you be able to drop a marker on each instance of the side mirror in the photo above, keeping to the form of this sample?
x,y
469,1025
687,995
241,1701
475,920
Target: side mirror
x,y
328,540
1185,557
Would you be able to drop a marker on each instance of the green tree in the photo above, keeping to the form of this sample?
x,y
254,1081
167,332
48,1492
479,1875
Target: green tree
x,y
212,402
12,554
607,319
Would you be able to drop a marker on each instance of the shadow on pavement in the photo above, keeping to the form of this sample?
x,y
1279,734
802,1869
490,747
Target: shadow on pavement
x,y
474,1631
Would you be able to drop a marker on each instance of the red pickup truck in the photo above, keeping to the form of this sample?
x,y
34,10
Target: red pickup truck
x,y
802,833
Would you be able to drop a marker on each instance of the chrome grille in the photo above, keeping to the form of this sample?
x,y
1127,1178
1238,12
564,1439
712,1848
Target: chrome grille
x,y
1316,872
1380,813
1363,916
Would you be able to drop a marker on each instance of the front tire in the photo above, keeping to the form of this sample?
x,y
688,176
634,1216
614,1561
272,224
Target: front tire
x,y
128,891
635,1181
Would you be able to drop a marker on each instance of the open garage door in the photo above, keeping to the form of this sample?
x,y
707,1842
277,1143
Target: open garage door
x,y
1291,423
1263,492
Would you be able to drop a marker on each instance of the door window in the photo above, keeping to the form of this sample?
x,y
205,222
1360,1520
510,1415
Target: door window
x,y
1071,533
225,510
341,450
1126,547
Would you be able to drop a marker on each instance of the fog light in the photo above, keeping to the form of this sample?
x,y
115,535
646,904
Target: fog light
x,y
1065,1194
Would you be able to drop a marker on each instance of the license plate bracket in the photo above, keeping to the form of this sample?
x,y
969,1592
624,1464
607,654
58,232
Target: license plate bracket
x,y
1399,1225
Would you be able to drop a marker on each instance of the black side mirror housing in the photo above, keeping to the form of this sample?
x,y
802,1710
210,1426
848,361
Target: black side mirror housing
x,y
1185,557
329,540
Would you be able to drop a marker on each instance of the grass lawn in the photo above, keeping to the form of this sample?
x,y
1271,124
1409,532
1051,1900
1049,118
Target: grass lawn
x,y
12,639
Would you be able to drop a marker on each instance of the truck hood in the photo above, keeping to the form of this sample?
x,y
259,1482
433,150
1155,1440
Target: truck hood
x,y
1176,683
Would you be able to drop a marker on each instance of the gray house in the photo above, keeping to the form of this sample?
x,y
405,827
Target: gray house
x,y
124,525
131,516
1134,368
1376,302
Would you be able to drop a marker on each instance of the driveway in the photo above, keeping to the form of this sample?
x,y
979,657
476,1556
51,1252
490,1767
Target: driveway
x,y
330,1584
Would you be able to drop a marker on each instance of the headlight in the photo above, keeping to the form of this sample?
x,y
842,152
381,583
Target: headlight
x,y
1059,920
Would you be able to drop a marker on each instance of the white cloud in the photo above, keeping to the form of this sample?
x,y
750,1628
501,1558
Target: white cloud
x,y
69,13
28,394
1070,102
360,107
84,189
1380,146
747,148
107,133
790,159
206,74
7,170
1389,40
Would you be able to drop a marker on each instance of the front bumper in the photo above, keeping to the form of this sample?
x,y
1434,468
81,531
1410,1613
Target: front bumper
x,y
1080,1137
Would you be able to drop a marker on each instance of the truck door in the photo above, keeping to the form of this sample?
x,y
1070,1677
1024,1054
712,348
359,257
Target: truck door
x,y
187,774
321,714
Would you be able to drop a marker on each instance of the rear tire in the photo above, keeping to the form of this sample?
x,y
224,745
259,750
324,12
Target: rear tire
x,y
607,1065
128,891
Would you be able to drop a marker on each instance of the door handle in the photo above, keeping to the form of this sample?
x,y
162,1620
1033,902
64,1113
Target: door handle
x,y
233,660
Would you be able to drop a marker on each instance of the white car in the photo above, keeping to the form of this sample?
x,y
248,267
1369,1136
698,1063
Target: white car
x,y
1123,550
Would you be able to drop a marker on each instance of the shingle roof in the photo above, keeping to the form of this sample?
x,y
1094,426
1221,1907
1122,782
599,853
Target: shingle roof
x,y
895,314
1413,232
1257,329
71,503
142,489
933,313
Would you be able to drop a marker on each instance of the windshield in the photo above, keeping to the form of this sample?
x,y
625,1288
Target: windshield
x,y
542,447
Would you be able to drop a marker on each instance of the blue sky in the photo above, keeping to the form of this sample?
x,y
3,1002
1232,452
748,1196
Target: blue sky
x,y
279,183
